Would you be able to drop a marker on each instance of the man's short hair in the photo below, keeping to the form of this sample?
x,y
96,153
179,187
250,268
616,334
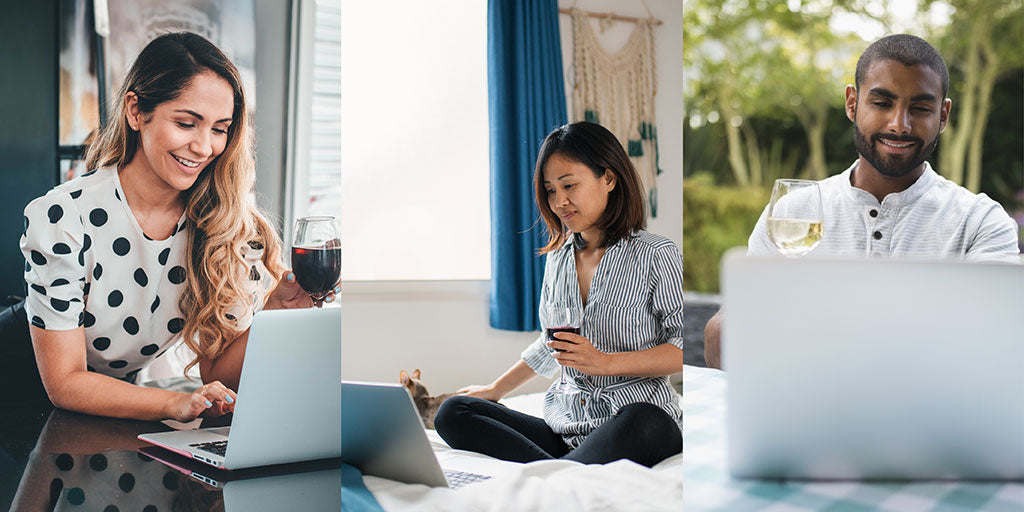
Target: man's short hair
x,y
907,50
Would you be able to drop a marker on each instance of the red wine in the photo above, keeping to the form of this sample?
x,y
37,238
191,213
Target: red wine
x,y
316,269
549,334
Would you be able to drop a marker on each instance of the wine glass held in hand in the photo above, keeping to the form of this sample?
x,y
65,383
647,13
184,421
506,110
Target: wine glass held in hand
x,y
560,318
316,256
794,222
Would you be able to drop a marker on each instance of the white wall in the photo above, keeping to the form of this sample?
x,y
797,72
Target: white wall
x,y
668,103
442,327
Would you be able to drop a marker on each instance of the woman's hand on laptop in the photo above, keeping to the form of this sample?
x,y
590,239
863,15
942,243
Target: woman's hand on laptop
x,y
213,399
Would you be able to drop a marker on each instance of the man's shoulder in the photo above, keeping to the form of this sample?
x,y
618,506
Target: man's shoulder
x,y
946,194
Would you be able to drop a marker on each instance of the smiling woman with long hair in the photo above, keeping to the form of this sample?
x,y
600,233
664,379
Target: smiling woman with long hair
x,y
159,242
626,285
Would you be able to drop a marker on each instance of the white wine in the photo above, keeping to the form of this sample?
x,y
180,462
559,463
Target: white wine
x,y
794,237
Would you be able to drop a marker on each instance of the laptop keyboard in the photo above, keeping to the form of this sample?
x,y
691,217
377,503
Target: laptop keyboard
x,y
218,447
458,479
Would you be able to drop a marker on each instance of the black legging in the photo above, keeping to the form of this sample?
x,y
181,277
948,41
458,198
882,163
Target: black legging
x,y
20,384
640,432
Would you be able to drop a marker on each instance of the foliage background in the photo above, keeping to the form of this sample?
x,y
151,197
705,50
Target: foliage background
x,y
763,99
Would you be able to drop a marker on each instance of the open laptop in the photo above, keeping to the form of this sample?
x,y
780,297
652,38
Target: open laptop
x,y
288,406
382,435
874,369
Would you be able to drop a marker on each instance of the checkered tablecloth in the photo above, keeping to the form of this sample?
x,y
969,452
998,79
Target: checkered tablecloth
x,y
708,486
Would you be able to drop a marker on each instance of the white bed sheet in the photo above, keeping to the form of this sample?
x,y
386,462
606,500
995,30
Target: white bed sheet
x,y
558,485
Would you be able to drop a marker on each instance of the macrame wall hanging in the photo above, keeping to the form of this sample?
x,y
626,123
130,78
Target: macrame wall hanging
x,y
617,91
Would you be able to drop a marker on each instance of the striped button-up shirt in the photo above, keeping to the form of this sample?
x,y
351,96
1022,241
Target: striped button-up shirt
x,y
635,302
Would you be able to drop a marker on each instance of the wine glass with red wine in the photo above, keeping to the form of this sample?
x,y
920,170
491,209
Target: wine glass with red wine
x,y
560,318
316,256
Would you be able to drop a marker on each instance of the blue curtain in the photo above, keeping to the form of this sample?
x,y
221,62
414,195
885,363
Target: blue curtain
x,y
526,99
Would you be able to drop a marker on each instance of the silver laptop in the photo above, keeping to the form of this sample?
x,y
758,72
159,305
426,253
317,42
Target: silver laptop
x,y
874,369
382,435
289,396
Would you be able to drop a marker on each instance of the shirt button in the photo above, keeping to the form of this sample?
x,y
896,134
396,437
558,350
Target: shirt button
x,y
873,213
878,235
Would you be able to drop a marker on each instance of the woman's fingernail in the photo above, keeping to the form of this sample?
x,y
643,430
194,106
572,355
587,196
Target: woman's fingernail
x,y
329,299
291,277
337,289
209,404
229,400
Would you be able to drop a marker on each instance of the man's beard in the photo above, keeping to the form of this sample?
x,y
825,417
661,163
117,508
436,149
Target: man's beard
x,y
893,166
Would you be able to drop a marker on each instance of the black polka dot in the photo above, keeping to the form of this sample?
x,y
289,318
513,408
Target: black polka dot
x,y
101,343
28,267
55,213
149,350
85,288
98,217
115,298
147,237
96,272
76,194
118,196
229,316
39,289
162,258
98,462
86,243
181,228
149,508
156,302
56,486
122,246
254,274
177,275
81,258
140,277
126,482
111,508
65,462
37,258
131,325
170,480
81,318
60,282
176,325
130,376
61,248
76,299
59,305
26,226
76,496
118,364
38,322
88,320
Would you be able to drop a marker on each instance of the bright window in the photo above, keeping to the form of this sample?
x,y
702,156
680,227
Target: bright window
x,y
414,141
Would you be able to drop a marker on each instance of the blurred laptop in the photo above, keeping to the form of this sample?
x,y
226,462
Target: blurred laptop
x,y
382,435
289,398
873,369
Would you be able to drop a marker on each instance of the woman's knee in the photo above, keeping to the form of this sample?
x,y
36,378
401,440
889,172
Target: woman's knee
x,y
649,418
450,411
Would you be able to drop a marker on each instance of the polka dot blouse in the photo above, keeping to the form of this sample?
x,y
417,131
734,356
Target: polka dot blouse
x,y
88,263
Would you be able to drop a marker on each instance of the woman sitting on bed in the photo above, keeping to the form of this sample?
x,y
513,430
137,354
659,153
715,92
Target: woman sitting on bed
x,y
628,285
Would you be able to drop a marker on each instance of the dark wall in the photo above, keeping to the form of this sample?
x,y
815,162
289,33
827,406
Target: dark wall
x,y
28,123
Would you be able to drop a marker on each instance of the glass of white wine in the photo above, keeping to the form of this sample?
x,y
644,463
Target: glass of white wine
x,y
794,216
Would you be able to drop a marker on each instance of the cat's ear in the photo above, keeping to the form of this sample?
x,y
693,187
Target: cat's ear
x,y
403,377
416,374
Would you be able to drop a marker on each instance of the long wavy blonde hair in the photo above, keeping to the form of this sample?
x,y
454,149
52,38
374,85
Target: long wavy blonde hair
x,y
220,217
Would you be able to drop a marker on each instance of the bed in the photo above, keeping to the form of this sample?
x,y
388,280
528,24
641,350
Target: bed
x,y
543,485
